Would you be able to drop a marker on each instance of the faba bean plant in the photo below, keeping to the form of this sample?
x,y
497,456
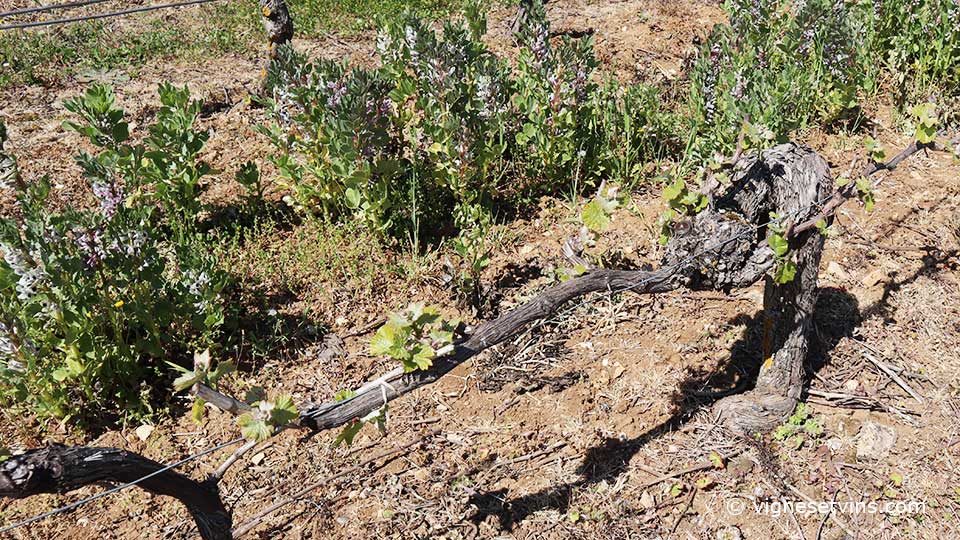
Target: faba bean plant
x,y
444,134
94,297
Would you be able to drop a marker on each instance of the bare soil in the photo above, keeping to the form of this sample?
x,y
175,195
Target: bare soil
x,y
567,431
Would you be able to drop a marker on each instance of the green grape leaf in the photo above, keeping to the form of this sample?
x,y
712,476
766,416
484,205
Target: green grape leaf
x,y
785,272
383,341
421,315
779,244
594,217
196,411
672,192
284,411
874,150
223,368
897,479
348,433
783,432
187,380
926,117
254,394
344,395
254,428
813,428
422,356
378,418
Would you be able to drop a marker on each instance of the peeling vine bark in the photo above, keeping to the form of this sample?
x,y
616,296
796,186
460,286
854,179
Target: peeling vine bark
x,y
277,23
796,183
60,469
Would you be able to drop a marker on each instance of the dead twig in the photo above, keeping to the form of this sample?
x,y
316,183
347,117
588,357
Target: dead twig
x,y
548,450
884,367
681,472
369,327
248,525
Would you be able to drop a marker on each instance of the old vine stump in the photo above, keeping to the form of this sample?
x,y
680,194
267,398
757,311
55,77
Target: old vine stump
x,y
793,182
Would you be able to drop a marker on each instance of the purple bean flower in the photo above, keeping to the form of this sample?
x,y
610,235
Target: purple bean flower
x,y
91,246
110,195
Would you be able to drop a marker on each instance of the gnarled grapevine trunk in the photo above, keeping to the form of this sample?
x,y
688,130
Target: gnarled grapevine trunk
x,y
800,184
277,22
59,469
793,182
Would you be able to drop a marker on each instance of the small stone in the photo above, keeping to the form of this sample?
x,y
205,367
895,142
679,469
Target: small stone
x,y
740,467
647,501
836,271
144,431
874,278
257,458
834,444
875,441
730,532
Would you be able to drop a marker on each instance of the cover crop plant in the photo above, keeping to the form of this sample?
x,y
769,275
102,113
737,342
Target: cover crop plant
x,y
444,133
94,299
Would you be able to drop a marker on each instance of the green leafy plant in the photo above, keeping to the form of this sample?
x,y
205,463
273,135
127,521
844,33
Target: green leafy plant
x,y
798,428
596,217
266,417
95,297
917,44
875,151
683,202
446,128
415,336
472,246
925,120
377,417
784,65
598,213
864,190
785,269
248,176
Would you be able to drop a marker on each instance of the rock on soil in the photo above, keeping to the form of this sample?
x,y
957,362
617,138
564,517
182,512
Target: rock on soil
x,y
874,441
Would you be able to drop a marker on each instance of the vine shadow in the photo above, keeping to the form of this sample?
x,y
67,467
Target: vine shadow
x,y
836,316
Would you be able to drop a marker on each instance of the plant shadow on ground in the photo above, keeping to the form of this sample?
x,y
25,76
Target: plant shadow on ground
x,y
837,315
260,328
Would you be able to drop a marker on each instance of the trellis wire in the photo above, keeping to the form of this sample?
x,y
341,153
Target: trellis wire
x,y
51,7
17,26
